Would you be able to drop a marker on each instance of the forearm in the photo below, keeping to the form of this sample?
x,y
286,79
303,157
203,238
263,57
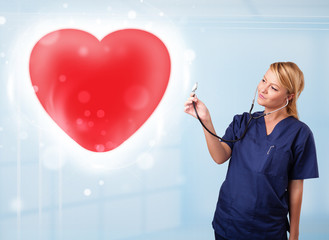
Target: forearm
x,y
218,151
295,204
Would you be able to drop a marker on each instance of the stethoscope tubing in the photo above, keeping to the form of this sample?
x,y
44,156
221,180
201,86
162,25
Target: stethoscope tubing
x,y
251,117
222,139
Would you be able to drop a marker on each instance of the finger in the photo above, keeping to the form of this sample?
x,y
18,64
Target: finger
x,y
187,103
188,110
192,99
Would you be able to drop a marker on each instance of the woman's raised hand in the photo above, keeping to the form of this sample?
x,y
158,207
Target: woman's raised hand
x,y
200,106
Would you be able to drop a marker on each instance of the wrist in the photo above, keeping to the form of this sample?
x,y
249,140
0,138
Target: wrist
x,y
206,120
293,236
206,117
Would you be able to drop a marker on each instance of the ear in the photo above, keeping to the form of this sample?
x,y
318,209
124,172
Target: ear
x,y
291,96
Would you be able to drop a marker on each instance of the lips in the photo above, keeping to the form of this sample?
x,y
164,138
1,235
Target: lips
x,y
261,96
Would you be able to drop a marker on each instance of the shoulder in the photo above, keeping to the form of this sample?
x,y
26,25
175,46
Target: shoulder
x,y
299,127
245,117
303,135
240,119
241,116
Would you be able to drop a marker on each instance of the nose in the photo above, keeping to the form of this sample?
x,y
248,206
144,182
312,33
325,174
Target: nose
x,y
263,88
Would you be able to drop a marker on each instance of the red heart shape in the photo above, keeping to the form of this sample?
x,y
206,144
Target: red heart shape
x,y
100,92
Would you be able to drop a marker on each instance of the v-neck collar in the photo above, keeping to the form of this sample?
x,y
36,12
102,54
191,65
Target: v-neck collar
x,y
275,127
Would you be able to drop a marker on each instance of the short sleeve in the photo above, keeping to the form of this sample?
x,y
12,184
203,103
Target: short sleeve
x,y
305,160
233,128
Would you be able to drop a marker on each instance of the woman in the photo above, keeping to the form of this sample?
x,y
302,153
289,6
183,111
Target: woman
x,y
264,181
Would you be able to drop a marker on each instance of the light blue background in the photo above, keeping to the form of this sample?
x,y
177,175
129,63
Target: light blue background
x,y
229,46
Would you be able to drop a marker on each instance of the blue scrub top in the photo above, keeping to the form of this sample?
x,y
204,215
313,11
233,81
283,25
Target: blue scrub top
x,y
253,199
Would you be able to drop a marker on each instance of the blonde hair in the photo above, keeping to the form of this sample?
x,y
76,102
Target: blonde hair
x,y
292,78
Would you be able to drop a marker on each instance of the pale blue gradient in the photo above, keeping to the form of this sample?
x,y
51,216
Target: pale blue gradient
x,y
169,187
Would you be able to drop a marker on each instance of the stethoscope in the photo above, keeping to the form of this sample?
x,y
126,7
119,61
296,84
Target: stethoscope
x,y
251,117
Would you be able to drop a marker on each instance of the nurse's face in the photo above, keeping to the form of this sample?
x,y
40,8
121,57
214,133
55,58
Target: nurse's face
x,y
271,94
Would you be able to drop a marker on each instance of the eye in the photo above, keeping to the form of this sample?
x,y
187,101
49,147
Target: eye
x,y
263,80
274,88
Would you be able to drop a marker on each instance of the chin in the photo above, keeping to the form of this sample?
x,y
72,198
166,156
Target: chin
x,y
260,102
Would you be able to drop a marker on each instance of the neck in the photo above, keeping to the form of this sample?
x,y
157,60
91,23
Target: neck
x,y
279,115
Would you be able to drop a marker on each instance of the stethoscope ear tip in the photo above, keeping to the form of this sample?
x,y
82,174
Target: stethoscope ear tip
x,y
195,87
